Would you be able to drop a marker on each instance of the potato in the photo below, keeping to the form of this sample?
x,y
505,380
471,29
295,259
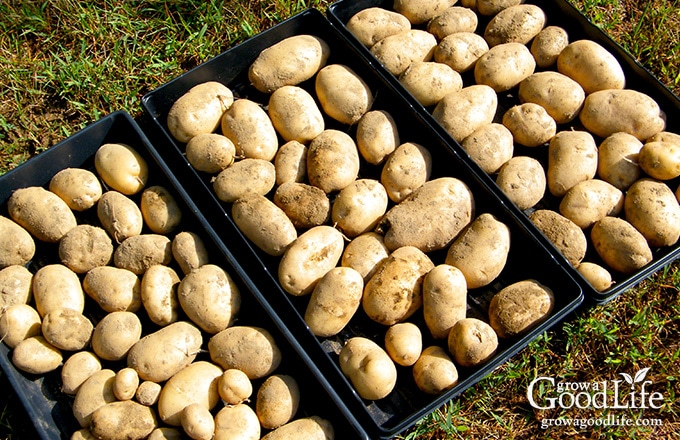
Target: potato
x,y
67,329
248,126
430,81
396,52
560,96
312,428
420,12
360,205
160,210
77,369
365,253
548,44
444,299
115,334
277,401
288,62
334,300
472,342
589,201
309,258
16,244
252,350
55,286
523,180
394,292
572,158
210,152
245,176
665,136
113,289
161,354
237,422
125,384
651,207
591,65
158,293
480,251
434,372
504,66
405,170
139,252
564,234
453,20
195,383
199,110
123,420
34,355
369,368
460,50
40,212
78,187
610,111
82,434
343,95
119,216
431,217
264,223
95,392
617,160
462,113
148,393
596,275
121,168
291,163
18,322
622,247
85,247
530,124
404,343
198,422
490,146
15,285
372,24
332,160
493,7
515,24
234,386
660,160
305,205
519,307
166,433
295,115
210,298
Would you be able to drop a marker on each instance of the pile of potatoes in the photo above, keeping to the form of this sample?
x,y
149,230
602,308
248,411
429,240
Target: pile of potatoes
x,y
505,85
291,170
132,314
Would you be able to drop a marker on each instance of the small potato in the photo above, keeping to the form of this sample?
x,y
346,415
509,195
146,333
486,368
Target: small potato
x,y
288,62
35,355
262,357
434,372
198,422
291,163
559,95
77,369
343,95
210,152
396,52
121,167
125,384
490,146
18,322
16,244
372,24
311,428
365,253
617,161
377,136
591,200
78,187
480,251
334,300
160,210
95,392
119,216
148,393
548,44
564,234
622,247
67,329
55,286
114,289
651,207
572,158
332,160
462,113
369,368
430,81
158,293
309,258
199,110
115,334
493,7
660,160
453,20
421,11
530,124
237,422
523,180
123,420
516,24
189,251
591,65
264,223
85,247
405,170
295,115
359,206
248,126
444,299
305,205
139,252
472,342
404,343
15,285
235,387
519,307
40,212
460,50
277,401
596,275
245,176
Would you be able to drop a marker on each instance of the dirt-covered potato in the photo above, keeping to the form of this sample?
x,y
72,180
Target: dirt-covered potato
x,y
434,372
16,285
35,355
490,146
462,113
160,210
334,301
490,7
312,428
472,342
453,20
622,247
85,247
249,128
115,334
397,52
264,223
55,286
332,160
210,152
548,44
262,357
305,205
277,400
121,168
77,369
16,244
444,299
365,253
660,159
199,110
519,307
372,24
491,68
429,81
572,158
359,207
139,252
421,11
78,187
564,234
369,368
523,180
237,422
460,50
198,422
589,201
596,275
114,289
651,207
41,212
530,124
343,95
405,170
288,62
123,420
559,95
376,136
404,343
147,394
158,293
591,65
119,216
617,160
515,24
243,177
295,115
67,329
95,392
126,383
234,386
18,322
291,163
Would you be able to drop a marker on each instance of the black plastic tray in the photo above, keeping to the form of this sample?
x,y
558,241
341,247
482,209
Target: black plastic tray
x,y
559,13
529,258
47,407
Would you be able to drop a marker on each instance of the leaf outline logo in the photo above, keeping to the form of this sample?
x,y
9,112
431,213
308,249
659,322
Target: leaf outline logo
x,y
639,377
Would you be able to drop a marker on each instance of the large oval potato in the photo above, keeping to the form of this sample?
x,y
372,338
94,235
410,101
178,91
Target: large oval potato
x,y
210,152
123,420
515,24
115,334
523,180
434,372
359,207
421,11
158,293
16,244
343,95
652,208
277,401
377,136
405,170
460,50
295,115
139,252
564,234
404,343
660,159
397,52
305,205
452,20
114,289
160,210
369,368
67,329
41,212
365,253
245,176
617,160
199,110
332,160
252,350
55,286
429,81
236,422
372,24
121,167
472,342
77,369
119,215
559,95
591,65
591,200
334,300
461,113
548,44
572,158
85,247
264,223
248,126
530,124
78,187
15,285
492,69
519,307
18,322
444,299
490,146
34,355
622,247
